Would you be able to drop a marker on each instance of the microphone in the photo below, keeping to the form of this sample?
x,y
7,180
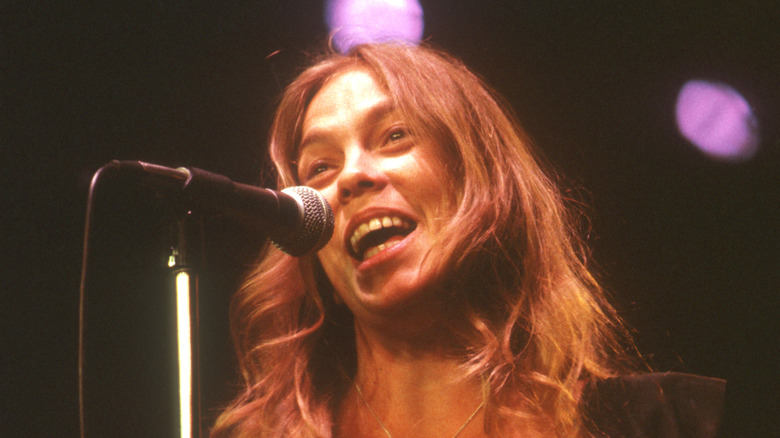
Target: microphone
x,y
298,220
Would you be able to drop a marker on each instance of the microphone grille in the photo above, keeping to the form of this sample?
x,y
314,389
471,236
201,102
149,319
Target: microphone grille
x,y
316,225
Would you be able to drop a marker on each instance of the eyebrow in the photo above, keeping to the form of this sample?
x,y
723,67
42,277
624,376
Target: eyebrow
x,y
372,115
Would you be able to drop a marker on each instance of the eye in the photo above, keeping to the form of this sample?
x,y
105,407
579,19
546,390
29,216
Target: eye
x,y
395,139
396,134
315,169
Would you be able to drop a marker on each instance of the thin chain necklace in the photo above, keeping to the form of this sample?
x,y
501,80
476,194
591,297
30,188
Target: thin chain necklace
x,y
387,432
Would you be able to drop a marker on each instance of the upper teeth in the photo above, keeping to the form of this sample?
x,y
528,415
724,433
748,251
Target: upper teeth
x,y
376,224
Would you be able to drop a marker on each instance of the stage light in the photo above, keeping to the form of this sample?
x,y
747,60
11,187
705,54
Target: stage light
x,y
717,120
353,22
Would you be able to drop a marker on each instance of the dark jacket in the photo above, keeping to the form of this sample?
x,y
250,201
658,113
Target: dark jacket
x,y
658,405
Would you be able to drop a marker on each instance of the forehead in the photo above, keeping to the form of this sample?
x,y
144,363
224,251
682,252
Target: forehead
x,y
345,94
348,100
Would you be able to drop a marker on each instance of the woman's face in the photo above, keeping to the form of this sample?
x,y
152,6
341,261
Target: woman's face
x,y
389,193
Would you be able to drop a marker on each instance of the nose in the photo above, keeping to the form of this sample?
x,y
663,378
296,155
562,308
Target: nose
x,y
361,174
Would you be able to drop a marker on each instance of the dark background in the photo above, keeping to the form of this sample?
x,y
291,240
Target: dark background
x,y
688,246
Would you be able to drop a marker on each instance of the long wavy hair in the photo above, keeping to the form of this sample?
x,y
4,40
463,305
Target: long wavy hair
x,y
533,320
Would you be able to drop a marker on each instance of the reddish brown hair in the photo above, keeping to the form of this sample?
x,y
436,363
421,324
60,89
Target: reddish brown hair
x,y
532,319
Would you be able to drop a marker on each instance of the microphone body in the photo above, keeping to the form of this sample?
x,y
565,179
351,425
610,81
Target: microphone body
x,y
298,220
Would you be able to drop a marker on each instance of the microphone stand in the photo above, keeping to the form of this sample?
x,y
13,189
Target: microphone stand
x,y
183,261
302,209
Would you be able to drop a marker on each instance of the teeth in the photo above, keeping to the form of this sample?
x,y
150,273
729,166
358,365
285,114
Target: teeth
x,y
374,225
381,247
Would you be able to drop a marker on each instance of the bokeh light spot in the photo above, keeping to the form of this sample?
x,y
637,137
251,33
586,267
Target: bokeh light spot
x,y
353,22
717,120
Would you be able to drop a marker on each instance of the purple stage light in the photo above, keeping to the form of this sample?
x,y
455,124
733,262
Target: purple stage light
x,y
717,120
353,22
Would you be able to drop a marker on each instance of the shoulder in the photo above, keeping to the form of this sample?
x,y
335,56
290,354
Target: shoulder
x,y
669,405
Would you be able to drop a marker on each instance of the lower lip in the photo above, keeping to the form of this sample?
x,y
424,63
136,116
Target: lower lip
x,y
385,255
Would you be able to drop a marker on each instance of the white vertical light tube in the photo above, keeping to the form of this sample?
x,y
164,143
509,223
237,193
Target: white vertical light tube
x,y
184,341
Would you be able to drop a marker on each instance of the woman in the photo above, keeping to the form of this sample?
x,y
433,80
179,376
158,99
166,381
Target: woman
x,y
454,298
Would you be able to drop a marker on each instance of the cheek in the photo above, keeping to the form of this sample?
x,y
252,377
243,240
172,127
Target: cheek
x,y
330,193
435,193
327,258
334,265
432,174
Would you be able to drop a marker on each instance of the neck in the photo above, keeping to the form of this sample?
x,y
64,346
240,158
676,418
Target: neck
x,y
414,384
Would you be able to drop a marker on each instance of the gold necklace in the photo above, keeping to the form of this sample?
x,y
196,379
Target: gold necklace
x,y
387,432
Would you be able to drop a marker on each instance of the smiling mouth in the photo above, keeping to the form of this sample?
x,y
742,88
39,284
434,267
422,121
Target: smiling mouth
x,y
378,234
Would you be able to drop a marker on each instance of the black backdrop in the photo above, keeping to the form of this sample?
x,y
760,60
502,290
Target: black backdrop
x,y
688,246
